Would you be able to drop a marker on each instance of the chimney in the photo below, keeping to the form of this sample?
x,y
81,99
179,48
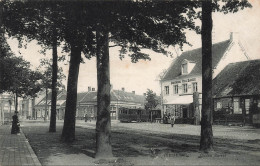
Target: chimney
x,y
234,36
123,89
133,92
89,88
93,89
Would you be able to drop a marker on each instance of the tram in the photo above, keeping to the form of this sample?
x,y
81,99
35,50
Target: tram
x,y
131,114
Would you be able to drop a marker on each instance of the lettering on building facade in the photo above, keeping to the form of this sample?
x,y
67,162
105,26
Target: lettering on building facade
x,y
183,81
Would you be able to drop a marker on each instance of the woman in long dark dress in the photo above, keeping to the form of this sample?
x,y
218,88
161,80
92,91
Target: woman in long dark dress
x,y
15,124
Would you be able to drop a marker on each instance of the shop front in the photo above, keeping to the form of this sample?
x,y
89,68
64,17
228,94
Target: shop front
x,y
182,108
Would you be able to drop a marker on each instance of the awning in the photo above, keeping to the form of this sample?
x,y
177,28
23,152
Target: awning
x,y
187,99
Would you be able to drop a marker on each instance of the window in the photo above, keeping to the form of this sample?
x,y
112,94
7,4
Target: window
x,y
184,68
219,105
185,88
175,89
166,88
247,105
195,87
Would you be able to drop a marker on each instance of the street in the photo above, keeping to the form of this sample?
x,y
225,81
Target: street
x,y
146,144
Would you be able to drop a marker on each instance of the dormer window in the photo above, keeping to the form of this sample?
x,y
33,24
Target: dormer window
x,y
187,66
184,68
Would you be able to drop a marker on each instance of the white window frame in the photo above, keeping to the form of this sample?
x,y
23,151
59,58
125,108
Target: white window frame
x,y
167,90
185,88
176,89
182,68
219,104
195,88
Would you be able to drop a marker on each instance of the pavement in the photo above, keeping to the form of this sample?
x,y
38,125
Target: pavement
x,y
15,149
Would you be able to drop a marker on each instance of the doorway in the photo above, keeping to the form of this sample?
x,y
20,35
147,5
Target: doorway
x,y
185,112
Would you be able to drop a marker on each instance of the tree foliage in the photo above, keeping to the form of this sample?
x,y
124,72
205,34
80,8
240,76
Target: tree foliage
x,y
152,100
46,69
18,77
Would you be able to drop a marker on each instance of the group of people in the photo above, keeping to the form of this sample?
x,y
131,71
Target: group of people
x,y
169,116
86,117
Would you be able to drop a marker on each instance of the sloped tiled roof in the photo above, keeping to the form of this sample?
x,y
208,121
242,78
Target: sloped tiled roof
x,y
116,95
195,56
90,97
63,97
119,95
42,102
81,95
238,79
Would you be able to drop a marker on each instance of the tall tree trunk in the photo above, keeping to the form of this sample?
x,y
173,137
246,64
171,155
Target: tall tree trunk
x,y
33,108
10,107
52,127
46,105
16,101
68,132
206,141
103,124
1,40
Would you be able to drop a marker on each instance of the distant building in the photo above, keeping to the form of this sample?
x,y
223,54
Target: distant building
x,y
60,106
236,92
40,106
7,107
87,103
27,105
119,98
184,78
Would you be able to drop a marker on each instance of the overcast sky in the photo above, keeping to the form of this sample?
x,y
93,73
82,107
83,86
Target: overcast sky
x,y
144,74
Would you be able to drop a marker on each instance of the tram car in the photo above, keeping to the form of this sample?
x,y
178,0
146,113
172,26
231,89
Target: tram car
x,y
131,114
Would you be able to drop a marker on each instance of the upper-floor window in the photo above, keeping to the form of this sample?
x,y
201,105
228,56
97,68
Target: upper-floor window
x,y
187,66
185,88
195,87
175,89
184,68
219,105
166,88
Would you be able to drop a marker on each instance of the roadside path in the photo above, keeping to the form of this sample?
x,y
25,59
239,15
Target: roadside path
x,y
15,149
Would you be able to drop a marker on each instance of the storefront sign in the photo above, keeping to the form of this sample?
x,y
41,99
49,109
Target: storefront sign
x,y
175,82
189,80
183,81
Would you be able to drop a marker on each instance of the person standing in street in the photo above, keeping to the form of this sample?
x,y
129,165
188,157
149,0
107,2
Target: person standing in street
x,y
172,118
86,117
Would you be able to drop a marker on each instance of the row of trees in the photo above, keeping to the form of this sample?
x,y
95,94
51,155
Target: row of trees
x,y
91,27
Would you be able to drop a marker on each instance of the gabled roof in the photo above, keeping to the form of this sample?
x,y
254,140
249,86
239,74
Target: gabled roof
x,y
90,97
62,97
81,95
42,102
238,79
195,56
